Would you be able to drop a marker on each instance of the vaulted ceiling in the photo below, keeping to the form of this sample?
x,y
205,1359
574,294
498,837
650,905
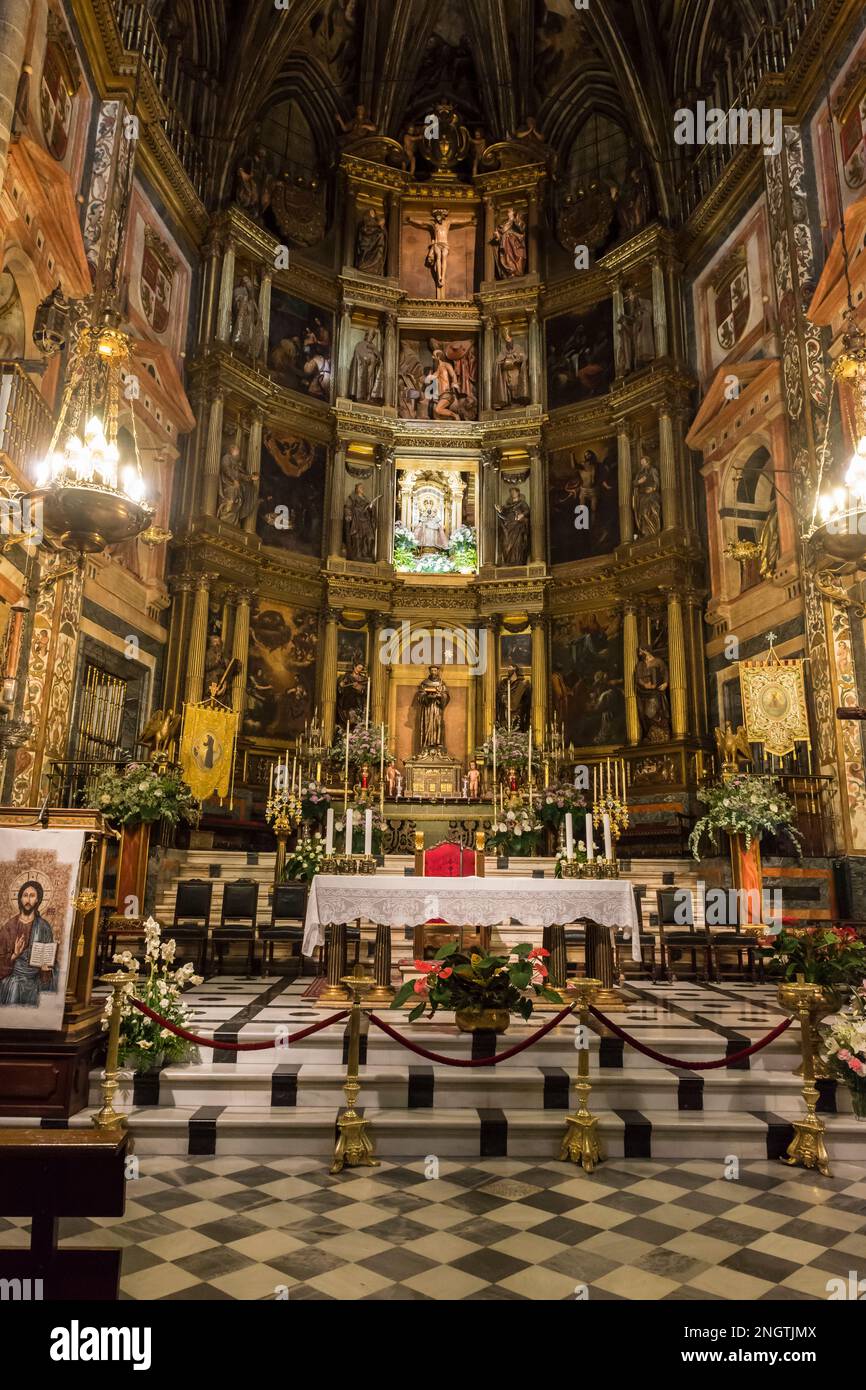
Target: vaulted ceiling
x,y
631,61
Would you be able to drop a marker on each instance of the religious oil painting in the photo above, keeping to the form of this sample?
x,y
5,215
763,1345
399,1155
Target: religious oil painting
x,y
281,678
515,649
299,345
586,683
584,501
38,878
351,646
579,355
437,379
291,492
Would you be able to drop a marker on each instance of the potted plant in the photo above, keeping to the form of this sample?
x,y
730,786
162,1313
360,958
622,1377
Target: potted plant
x,y
358,831
555,803
578,857
516,833
133,798
831,958
315,800
843,1049
305,860
483,989
144,1044
745,806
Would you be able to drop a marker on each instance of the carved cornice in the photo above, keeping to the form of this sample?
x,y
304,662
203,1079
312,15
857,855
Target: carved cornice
x,y
574,423
432,314
371,292
525,177
248,237
309,282
575,292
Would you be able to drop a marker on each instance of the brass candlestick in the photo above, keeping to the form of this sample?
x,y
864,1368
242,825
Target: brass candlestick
x,y
354,1147
580,1142
807,1149
107,1117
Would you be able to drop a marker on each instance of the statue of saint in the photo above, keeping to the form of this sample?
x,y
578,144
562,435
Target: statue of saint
x,y
636,342
429,532
433,697
633,204
366,383
509,247
359,526
514,700
514,529
510,376
651,683
646,501
359,126
352,695
410,383
371,243
247,331
236,498
436,259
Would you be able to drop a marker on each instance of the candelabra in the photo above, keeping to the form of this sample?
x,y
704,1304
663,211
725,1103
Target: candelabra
x,y
283,814
609,805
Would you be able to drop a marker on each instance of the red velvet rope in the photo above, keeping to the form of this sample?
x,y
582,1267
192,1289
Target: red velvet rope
x,y
691,1066
470,1061
237,1046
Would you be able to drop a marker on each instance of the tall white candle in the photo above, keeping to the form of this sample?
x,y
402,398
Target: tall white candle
x,y
590,844
529,769
349,815
569,834
368,832
608,846
329,831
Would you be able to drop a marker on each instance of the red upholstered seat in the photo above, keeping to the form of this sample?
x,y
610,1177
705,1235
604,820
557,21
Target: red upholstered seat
x,y
449,861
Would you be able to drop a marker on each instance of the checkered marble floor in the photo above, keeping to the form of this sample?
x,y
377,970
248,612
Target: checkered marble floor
x,y
232,1228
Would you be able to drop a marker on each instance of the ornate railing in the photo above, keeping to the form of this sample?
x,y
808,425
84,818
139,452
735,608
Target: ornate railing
x,y
811,795
71,779
769,54
25,420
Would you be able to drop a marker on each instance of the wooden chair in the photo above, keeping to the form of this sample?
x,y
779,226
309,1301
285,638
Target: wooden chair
x,y
724,940
192,917
448,860
675,940
646,938
237,920
286,926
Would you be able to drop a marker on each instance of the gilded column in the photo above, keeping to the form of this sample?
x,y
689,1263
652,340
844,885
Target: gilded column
x,y
213,449
617,315
254,466
660,316
393,263
533,259
489,229
677,666
489,484
181,587
668,471
209,292
385,505
488,352
626,520
629,661
538,623
328,694
227,289
195,655
491,640
350,213
379,671
343,349
338,488
241,649
695,653
538,506
389,359
535,359
265,305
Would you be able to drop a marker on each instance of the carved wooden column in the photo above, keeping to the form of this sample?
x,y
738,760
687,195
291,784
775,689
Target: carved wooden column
x,y
488,353
660,315
668,471
393,262
241,649
629,661
695,657
198,639
489,229
536,354
210,291
677,666
338,487
227,289
385,505
538,505
213,451
380,671
389,358
254,466
488,715
343,342
617,315
328,692
538,623
626,520
181,587
489,481
265,306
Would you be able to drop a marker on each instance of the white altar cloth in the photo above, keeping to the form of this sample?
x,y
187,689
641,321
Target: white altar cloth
x,y
474,902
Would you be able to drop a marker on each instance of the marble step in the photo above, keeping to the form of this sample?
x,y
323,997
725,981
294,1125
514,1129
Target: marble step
x,y
398,1133
313,1085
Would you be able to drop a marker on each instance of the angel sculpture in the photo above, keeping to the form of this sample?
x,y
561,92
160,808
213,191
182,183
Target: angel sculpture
x,y
732,748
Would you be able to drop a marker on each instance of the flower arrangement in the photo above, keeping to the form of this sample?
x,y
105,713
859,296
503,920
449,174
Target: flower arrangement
x,y
141,793
556,802
315,800
830,956
578,857
843,1048
305,860
434,562
461,557
358,830
405,548
748,805
463,549
512,748
479,980
145,1044
517,833
365,746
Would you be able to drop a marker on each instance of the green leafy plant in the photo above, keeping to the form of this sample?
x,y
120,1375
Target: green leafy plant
x,y
405,548
517,833
512,748
831,956
463,549
365,746
305,860
479,980
555,803
358,831
748,805
142,793
143,1042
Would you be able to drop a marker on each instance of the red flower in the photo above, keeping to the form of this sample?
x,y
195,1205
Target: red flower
x,y
536,952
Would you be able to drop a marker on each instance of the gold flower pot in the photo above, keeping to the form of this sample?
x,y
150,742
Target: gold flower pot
x,y
476,1020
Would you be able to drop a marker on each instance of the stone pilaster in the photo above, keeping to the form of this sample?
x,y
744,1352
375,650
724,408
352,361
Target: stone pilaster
x,y
677,666
629,661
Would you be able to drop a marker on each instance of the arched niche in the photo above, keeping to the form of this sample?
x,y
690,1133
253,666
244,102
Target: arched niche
x,y
747,513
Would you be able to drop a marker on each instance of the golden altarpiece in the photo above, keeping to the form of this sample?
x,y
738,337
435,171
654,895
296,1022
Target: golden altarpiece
x,y
459,432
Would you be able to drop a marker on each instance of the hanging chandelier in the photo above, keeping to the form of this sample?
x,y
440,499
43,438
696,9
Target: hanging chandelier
x,y
91,496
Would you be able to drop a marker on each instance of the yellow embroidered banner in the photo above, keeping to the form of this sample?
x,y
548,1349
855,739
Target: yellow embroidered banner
x,y
207,749
774,703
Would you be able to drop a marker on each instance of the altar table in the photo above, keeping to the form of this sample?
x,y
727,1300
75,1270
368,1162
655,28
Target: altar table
x,y
475,902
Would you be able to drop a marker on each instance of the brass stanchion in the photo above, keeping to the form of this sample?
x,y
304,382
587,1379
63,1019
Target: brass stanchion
x,y
383,991
354,1147
600,964
107,1117
807,1149
580,1141
334,993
